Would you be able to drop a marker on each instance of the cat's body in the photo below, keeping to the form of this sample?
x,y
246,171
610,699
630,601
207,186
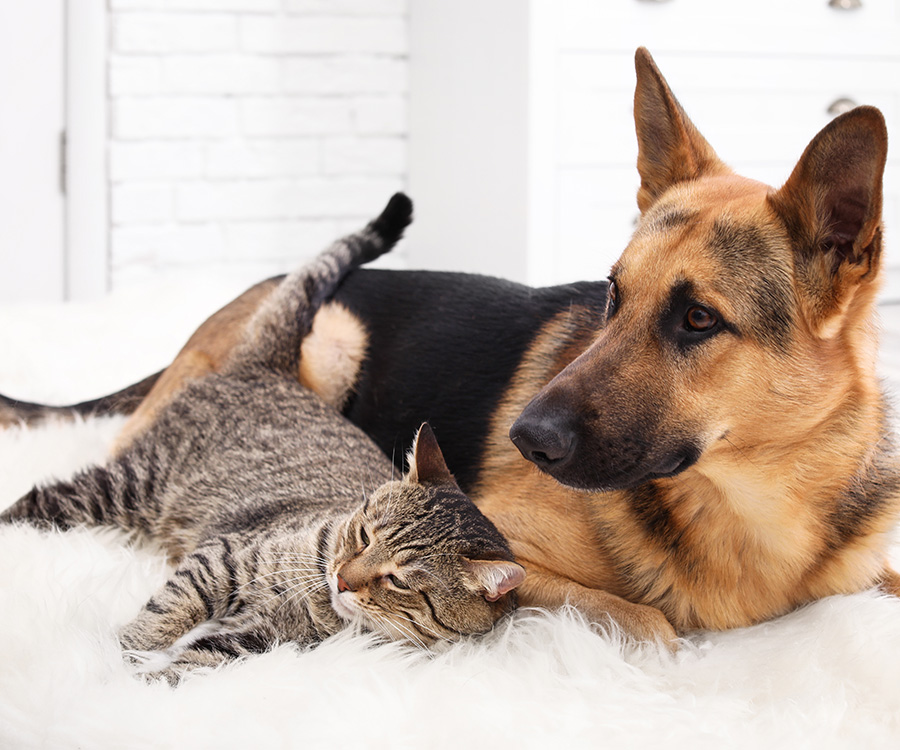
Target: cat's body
x,y
281,516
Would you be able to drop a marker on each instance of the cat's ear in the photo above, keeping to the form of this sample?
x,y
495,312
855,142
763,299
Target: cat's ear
x,y
495,577
426,462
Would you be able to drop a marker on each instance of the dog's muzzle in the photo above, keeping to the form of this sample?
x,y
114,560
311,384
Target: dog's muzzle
x,y
588,457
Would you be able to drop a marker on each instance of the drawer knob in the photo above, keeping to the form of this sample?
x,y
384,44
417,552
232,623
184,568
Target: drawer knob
x,y
845,4
839,106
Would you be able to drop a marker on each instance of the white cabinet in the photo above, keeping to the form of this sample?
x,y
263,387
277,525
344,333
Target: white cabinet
x,y
545,89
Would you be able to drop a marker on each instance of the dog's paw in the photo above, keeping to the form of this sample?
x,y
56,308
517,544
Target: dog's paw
x,y
636,622
648,625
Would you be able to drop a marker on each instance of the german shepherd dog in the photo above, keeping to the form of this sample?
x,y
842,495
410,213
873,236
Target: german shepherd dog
x,y
702,441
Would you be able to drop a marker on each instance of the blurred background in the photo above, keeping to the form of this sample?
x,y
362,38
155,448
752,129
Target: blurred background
x,y
148,139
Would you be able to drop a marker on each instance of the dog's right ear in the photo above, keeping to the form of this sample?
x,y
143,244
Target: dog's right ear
x,y
670,148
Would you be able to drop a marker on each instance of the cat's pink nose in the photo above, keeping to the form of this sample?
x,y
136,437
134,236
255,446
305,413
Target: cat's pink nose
x,y
342,584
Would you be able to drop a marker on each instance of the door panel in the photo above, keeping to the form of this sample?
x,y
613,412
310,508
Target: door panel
x,y
32,107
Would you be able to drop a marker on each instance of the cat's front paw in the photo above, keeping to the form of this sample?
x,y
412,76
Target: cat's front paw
x,y
151,666
171,675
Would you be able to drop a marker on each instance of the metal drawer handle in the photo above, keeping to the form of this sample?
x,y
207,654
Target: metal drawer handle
x,y
845,4
839,106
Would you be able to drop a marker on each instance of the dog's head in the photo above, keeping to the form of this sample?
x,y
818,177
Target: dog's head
x,y
739,315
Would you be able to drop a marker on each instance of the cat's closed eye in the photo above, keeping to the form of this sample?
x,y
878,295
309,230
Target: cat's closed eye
x,y
363,537
396,582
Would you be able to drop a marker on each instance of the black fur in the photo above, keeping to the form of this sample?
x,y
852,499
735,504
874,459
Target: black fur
x,y
443,348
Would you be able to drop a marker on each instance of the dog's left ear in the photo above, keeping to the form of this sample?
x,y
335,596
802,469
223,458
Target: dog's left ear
x,y
426,462
831,206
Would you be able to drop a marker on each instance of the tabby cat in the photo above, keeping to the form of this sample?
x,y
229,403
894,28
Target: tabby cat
x,y
256,489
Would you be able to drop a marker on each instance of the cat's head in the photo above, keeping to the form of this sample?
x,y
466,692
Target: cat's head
x,y
418,561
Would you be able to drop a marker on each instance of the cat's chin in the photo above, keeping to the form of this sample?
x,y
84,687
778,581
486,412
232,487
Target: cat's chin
x,y
342,609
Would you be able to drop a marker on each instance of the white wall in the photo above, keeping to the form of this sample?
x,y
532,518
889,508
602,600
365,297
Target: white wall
x,y
250,133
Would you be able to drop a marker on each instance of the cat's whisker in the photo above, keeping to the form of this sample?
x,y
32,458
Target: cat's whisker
x,y
437,635
291,584
390,619
301,558
278,589
278,572
404,630
298,582
304,590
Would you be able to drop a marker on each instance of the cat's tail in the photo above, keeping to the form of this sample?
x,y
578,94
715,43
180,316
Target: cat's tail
x,y
277,329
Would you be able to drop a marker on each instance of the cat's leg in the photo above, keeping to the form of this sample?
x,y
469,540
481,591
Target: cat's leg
x,y
215,649
202,588
101,495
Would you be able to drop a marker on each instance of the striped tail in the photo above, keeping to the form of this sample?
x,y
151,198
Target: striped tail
x,y
275,332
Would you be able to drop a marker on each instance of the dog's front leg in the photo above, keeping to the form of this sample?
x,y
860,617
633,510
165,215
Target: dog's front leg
x,y
542,588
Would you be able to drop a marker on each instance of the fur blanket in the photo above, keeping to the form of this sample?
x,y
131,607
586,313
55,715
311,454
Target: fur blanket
x,y
827,675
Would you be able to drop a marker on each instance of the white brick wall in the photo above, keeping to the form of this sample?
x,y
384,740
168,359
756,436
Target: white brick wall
x,y
251,132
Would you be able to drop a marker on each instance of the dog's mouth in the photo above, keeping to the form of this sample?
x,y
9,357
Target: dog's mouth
x,y
597,464
675,464
599,478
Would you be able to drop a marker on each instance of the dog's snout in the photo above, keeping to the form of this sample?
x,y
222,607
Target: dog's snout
x,y
546,443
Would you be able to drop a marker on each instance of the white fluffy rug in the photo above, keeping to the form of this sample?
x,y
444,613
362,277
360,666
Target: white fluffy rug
x,y
825,676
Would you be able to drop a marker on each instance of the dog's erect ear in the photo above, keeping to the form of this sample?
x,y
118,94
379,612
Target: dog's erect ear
x,y
670,148
831,205
426,462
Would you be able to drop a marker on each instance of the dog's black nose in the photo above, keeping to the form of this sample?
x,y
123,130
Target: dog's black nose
x,y
545,443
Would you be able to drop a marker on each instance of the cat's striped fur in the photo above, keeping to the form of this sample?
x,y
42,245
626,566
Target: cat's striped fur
x,y
280,516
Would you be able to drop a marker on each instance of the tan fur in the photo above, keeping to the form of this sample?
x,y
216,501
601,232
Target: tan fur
x,y
330,357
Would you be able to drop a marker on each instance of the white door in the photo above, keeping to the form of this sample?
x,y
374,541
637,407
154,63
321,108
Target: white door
x,y
32,117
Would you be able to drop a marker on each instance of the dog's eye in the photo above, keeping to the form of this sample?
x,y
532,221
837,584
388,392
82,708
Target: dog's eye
x,y
700,320
612,299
